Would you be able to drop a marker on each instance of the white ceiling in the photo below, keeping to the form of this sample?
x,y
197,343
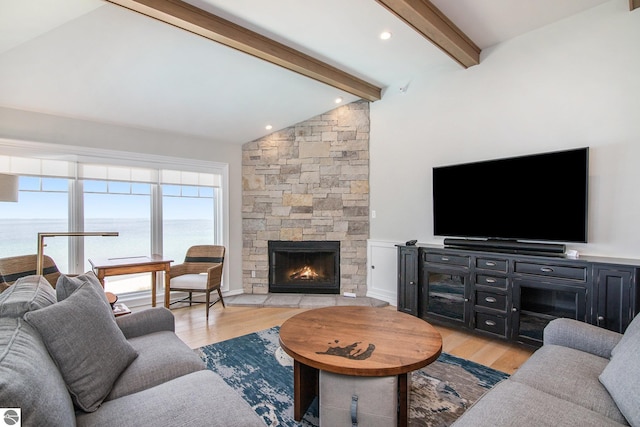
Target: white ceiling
x,y
92,60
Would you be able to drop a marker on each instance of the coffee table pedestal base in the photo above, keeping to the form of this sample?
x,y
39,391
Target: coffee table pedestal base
x,y
334,388
369,401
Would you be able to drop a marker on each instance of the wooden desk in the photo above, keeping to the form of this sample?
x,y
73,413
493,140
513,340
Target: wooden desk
x,y
358,341
132,265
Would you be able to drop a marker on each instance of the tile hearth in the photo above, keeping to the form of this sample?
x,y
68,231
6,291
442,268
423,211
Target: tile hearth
x,y
299,300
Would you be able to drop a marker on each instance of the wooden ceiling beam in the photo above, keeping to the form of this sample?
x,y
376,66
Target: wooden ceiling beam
x,y
427,20
213,27
633,4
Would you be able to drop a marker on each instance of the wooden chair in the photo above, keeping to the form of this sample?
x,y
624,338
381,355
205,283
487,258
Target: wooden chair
x,y
201,271
13,268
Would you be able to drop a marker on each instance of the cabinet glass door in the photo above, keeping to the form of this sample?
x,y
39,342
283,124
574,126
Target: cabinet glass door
x,y
536,304
445,295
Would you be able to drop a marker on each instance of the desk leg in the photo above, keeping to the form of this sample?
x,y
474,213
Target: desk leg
x,y
305,388
167,278
153,288
404,387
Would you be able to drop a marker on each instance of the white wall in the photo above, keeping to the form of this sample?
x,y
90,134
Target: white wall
x,y
571,84
35,127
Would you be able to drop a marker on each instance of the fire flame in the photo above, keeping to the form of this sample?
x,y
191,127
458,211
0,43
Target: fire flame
x,y
305,273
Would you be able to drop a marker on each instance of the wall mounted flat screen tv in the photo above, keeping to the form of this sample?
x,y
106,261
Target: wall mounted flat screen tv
x,y
535,197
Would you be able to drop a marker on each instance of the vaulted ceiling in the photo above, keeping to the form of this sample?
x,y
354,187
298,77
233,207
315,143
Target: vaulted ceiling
x,y
97,61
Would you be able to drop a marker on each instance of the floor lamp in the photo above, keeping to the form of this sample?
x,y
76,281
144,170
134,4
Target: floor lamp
x,y
41,245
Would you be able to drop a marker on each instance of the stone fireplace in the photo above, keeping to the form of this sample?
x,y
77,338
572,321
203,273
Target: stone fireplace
x,y
309,183
304,267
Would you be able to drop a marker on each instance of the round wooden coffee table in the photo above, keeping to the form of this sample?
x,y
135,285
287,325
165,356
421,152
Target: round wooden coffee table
x,y
357,341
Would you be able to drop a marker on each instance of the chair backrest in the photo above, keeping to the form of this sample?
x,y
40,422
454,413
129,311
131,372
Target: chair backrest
x,y
199,258
210,254
13,268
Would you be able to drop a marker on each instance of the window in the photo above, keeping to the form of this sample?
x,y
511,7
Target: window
x,y
185,219
42,207
123,207
154,208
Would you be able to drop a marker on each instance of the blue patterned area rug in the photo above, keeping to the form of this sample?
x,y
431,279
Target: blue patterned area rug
x,y
262,373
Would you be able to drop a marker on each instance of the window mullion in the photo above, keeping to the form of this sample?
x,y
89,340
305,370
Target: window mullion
x,y
156,219
76,223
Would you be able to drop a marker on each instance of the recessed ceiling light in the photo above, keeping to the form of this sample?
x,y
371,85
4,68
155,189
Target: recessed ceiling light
x,y
268,127
385,35
338,100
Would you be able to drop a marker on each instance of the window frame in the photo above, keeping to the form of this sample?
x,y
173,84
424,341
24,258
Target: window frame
x,y
75,156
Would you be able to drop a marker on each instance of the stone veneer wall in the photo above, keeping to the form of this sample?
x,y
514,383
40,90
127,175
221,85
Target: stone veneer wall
x,y
309,182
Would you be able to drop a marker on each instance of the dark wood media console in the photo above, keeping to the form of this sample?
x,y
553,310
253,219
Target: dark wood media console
x,y
514,296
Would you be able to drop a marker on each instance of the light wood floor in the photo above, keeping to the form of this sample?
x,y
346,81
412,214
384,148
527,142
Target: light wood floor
x,y
233,322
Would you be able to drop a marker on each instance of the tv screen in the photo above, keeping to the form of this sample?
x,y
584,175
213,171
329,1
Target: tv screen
x,y
534,197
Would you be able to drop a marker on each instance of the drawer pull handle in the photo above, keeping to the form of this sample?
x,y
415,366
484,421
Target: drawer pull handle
x,y
546,269
444,258
491,263
490,323
491,280
412,283
490,299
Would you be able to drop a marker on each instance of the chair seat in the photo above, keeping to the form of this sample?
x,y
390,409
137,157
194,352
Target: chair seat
x,y
201,272
189,281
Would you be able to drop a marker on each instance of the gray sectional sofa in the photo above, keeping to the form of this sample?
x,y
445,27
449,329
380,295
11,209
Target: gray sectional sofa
x,y
582,376
65,361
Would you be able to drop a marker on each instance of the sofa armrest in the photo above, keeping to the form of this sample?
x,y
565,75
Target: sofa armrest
x,y
581,336
146,322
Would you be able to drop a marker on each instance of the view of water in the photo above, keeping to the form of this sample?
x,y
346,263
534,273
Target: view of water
x,y
19,237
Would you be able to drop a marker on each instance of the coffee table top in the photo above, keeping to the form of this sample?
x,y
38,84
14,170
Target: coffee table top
x,y
360,341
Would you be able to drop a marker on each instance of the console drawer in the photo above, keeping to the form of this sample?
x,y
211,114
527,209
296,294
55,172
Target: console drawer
x,y
447,259
496,282
491,323
492,264
551,270
491,300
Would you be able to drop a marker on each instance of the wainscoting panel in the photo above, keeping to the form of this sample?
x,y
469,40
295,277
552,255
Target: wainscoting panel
x,y
382,271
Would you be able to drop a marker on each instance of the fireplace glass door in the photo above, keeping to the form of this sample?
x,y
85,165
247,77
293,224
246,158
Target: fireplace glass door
x,y
309,267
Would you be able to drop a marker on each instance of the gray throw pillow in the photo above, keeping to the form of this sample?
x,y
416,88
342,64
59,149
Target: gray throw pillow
x,y
66,285
85,342
26,294
621,377
632,330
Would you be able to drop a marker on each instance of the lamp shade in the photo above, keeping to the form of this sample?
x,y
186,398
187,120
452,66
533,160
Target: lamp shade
x,y
8,188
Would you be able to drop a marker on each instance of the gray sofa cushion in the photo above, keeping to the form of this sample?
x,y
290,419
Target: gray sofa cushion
x,y
162,356
511,403
570,375
622,377
199,399
83,339
29,379
26,294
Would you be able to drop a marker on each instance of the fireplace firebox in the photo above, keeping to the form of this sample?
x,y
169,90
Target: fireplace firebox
x,y
304,267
